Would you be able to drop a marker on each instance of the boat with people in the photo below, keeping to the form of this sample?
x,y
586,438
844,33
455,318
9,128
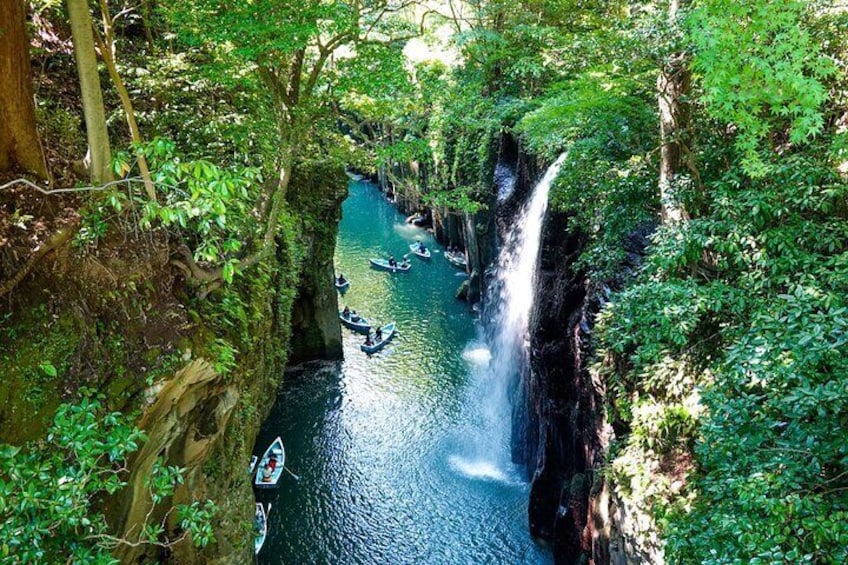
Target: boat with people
x,y
342,284
457,259
383,335
271,465
420,250
386,265
350,319
260,526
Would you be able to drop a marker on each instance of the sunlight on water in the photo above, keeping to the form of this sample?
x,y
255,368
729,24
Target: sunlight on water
x,y
385,446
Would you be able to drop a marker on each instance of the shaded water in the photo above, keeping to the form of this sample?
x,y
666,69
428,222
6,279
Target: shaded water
x,y
388,448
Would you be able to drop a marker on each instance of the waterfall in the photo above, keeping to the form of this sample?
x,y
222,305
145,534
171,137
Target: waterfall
x,y
509,303
515,277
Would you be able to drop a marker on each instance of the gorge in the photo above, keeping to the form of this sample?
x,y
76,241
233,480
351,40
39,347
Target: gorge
x,y
635,353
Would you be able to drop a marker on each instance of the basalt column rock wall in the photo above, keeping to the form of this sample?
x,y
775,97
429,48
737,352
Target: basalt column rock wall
x,y
566,436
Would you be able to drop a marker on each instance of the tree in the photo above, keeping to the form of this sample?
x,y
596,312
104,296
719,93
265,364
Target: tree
x,y
290,50
763,71
20,147
673,83
99,155
106,44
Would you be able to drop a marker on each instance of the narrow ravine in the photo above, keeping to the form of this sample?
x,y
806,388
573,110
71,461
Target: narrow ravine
x,y
399,457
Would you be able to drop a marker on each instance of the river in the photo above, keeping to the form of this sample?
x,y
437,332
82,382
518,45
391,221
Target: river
x,y
397,457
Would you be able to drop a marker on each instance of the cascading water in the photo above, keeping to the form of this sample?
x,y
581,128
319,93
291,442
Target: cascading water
x,y
507,311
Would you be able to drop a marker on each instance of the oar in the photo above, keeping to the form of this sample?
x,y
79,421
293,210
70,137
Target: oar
x,y
268,512
292,474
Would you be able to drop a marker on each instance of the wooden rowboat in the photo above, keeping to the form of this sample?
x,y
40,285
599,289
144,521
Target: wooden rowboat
x,y
342,286
416,248
355,322
383,265
271,465
457,260
388,334
260,526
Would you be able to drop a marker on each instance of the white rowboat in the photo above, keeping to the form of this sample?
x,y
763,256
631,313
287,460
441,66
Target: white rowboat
x,y
271,465
388,334
416,248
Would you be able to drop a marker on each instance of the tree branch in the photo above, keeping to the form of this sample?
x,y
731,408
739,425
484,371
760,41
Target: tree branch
x,y
48,191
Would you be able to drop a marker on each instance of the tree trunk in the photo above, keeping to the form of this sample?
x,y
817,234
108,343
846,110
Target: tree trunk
x,y
675,128
99,152
146,22
20,148
107,46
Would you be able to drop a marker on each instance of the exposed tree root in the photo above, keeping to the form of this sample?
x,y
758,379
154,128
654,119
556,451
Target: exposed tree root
x,y
58,239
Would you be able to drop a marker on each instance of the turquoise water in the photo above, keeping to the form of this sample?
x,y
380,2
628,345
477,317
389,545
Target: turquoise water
x,y
396,461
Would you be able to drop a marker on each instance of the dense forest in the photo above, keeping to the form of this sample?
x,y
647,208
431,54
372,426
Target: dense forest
x,y
170,179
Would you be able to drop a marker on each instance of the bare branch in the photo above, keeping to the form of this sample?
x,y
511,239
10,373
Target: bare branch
x,y
49,191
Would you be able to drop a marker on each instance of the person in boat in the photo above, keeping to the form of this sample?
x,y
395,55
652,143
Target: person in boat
x,y
392,262
342,280
346,312
368,341
405,263
421,247
378,334
268,471
258,522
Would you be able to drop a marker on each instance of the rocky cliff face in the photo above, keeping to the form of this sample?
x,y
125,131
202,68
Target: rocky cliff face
x,y
202,372
316,333
566,436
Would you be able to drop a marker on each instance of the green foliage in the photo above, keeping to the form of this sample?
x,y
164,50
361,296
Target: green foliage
x,y
607,181
50,490
761,69
224,356
463,130
208,203
750,302
216,108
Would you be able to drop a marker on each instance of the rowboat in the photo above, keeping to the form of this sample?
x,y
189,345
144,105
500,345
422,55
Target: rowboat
x,y
342,286
355,322
253,460
416,248
383,265
260,527
388,334
457,259
271,465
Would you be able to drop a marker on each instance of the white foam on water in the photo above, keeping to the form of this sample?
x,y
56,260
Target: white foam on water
x,y
478,355
411,232
479,469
